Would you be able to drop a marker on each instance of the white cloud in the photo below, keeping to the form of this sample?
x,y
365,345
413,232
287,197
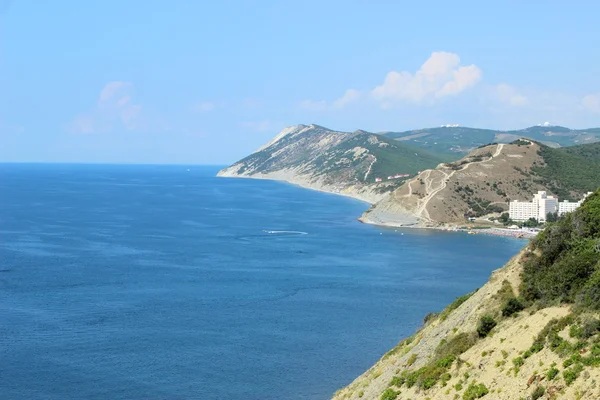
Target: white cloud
x,y
350,96
440,76
592,102
509,95
114,109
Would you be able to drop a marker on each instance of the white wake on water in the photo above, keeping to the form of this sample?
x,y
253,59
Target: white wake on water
x,y
285,232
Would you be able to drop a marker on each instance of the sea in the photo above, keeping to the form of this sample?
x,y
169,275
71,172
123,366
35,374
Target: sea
x,y
165,282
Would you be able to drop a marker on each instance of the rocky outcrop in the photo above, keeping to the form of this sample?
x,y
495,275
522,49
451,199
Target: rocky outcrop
x,y
352,164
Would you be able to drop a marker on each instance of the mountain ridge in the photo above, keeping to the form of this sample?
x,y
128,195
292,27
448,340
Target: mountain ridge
x,y
361,164
407,183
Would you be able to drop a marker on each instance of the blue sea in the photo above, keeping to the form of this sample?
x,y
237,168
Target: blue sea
x,y
164,282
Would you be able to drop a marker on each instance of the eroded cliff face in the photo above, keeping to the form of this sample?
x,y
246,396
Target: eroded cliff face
x,y
481,183
350,164
447,359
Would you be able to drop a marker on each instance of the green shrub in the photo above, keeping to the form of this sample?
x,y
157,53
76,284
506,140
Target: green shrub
x,y
457,345
538,392
565,266
437,369
571,374
430,317
535,348
475,391
446,361
389,394
590,328
551,374
575,331
512,306
411,360
485,325
397,381
518,362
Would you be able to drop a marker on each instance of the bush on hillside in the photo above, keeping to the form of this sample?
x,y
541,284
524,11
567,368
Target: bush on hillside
x,y
485,325
389,394
512,306
538,392
565,263
475,391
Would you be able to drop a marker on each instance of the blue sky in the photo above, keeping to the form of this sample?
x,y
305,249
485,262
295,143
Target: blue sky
x,y
208,82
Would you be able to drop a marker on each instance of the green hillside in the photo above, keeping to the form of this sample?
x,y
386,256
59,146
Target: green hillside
x,y
566,267
453,139
446,139
591,152
395,157
569,172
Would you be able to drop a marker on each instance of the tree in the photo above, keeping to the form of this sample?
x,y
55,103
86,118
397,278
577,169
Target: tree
x,y
531,223
552,217
504,218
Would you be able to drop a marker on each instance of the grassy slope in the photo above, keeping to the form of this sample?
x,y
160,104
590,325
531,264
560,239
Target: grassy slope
x,y
590,152
444,139
396,157
569,172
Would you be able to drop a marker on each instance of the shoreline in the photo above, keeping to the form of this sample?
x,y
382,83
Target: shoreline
x,y
410,221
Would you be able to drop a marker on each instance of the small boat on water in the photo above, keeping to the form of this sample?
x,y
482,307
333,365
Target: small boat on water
x,y
471,233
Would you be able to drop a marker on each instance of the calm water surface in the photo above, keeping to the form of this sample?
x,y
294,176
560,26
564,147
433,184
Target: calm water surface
x,y
159,282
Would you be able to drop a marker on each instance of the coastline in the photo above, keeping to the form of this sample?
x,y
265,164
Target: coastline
x,y
304,185
389,220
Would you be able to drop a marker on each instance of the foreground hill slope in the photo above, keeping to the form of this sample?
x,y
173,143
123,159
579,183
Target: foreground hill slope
x,y
531,332
483,183
345,163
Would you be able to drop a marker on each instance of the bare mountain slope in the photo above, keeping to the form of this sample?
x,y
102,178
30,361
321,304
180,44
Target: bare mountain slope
x,y
355,164
479,184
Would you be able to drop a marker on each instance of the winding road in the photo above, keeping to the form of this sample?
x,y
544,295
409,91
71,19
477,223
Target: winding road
x,y
421,210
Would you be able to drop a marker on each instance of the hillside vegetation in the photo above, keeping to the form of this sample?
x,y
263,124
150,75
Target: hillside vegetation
x,y
590,152
532,332
569,172
391,157
346,163
459,139
564,264
481,184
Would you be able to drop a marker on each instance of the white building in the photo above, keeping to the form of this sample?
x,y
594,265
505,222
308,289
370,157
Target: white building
x,y
522,210
538,208
568,206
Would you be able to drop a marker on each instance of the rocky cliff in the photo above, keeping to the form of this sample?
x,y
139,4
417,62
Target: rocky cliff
x,y
363,165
